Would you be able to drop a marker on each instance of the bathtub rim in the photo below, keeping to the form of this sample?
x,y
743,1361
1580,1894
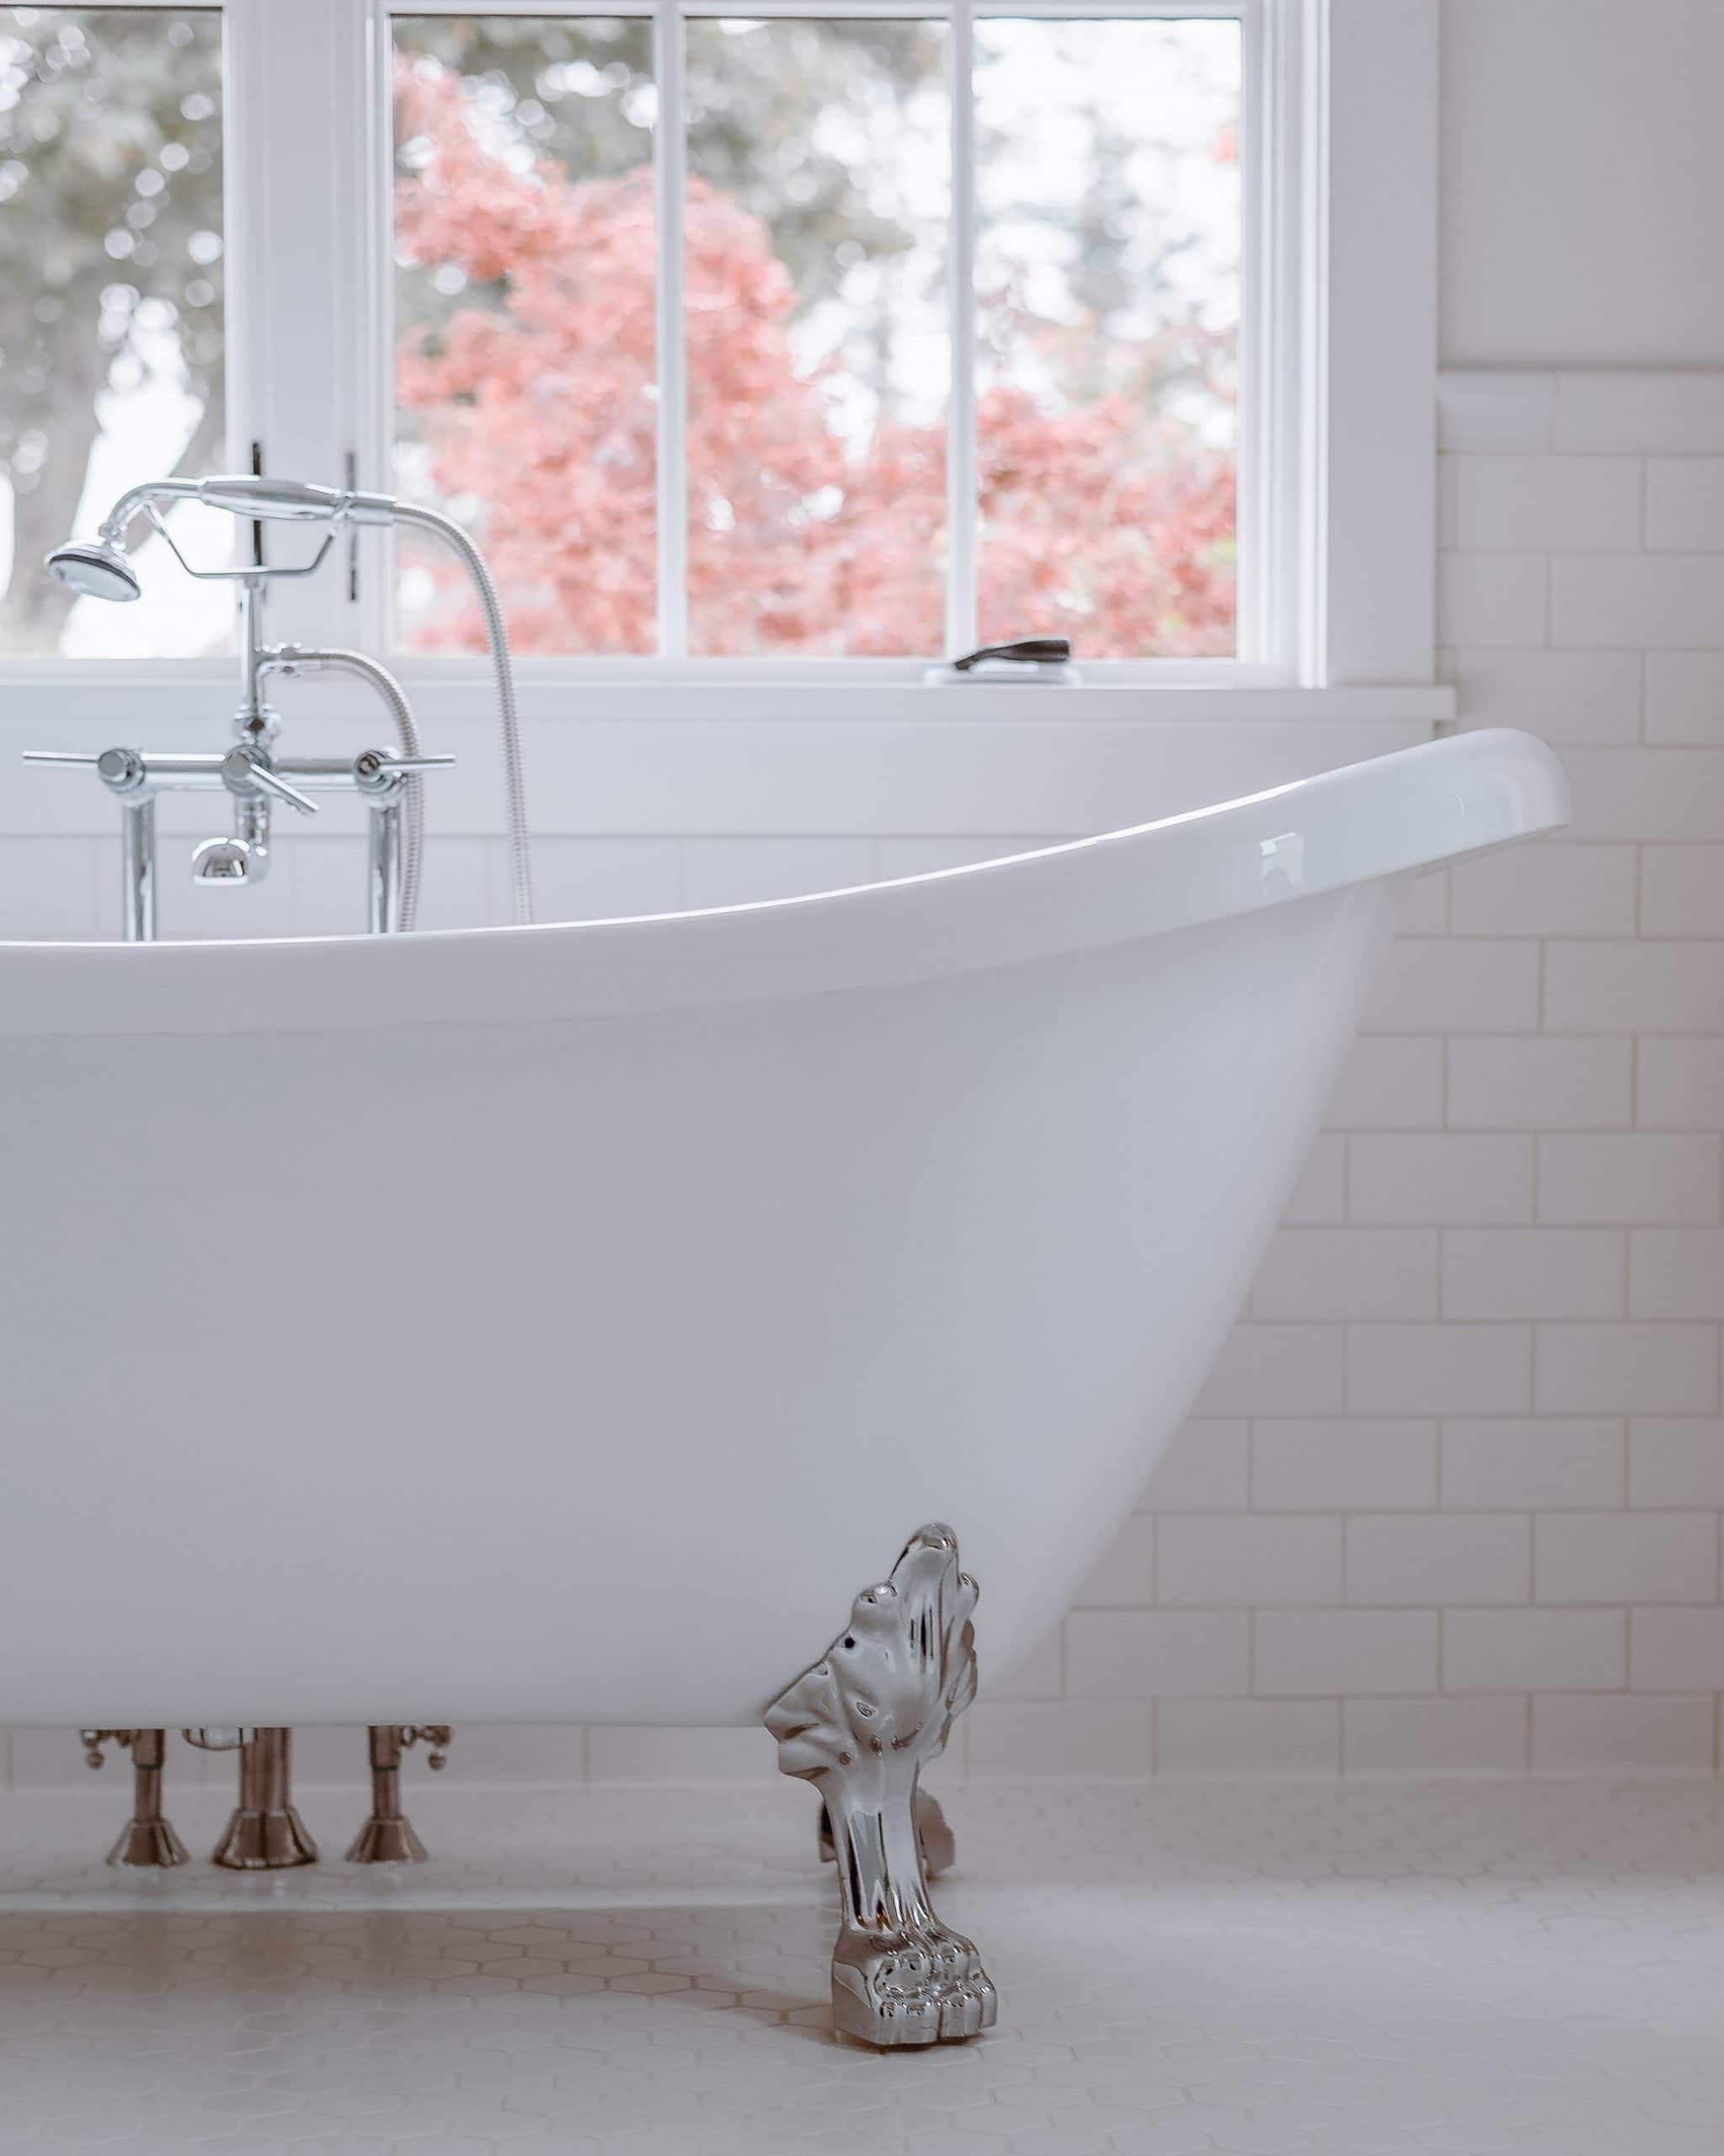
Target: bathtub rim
x,y
1410,809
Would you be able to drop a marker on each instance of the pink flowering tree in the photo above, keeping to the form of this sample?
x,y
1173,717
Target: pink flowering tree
x,y
1107,519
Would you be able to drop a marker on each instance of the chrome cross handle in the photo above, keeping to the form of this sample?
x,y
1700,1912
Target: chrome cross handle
x,y
245,773
122,769
376,771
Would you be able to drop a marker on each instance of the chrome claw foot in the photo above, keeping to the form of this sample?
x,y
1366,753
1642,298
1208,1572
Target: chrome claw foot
x,y
911,1987
939,1848
861,1725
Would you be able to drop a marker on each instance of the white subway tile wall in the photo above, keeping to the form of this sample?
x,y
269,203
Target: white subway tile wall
x,y
1450,1503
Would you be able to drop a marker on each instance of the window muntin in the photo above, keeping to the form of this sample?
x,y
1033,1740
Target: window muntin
x,y
818,257
112,334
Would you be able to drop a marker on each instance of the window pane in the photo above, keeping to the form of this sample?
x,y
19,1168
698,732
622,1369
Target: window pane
x,y
1107,285
110,311
818,354
526,355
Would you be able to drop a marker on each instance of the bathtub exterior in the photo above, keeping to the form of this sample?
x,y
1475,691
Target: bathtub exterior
x,y
564,1323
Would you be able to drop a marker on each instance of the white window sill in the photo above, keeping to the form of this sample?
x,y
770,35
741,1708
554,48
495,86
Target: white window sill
x,y
53,692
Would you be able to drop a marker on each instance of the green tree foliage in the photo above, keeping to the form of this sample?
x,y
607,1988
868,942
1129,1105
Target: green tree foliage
x,y
581,91
110,222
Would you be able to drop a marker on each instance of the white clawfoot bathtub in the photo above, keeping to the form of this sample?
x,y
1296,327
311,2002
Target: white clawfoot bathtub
x,y
564,1323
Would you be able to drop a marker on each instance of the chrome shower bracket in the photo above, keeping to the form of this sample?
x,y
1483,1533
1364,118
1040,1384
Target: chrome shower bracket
x,y
252,573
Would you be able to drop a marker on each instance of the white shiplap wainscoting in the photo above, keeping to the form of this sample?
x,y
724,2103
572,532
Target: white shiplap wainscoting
x,y
1451,1502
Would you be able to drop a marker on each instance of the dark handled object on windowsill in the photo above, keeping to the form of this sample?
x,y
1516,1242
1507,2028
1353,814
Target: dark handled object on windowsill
x,y
1030,651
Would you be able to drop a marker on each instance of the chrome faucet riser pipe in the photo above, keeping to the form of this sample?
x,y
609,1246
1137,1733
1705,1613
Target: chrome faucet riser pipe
x,y
147,1841
137,868
387,1836
456,537
294,659
383,849
251,827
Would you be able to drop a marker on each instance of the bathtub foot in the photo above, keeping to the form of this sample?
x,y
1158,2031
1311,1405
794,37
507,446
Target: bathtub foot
x,y
265,1832
146,1842
387,1836
861,1725
939,1849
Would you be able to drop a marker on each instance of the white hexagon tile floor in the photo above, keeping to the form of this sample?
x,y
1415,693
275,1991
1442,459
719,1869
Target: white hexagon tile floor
x,y
1249,1970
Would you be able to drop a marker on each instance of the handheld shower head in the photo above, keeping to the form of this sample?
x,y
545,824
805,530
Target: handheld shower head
x,y
95,568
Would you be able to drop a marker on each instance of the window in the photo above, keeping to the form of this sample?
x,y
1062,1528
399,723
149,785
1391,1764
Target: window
x,y
111,333
849,343
811,344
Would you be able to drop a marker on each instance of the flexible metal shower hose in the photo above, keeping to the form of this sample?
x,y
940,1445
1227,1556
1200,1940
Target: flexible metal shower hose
x,y
497,636
413,791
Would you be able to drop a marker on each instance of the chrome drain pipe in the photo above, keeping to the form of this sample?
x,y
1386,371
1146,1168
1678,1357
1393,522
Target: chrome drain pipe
x,y
265,1833
387,1836
146,1842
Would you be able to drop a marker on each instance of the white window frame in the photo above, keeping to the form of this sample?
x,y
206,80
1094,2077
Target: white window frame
x,y
1267,487
1337,479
